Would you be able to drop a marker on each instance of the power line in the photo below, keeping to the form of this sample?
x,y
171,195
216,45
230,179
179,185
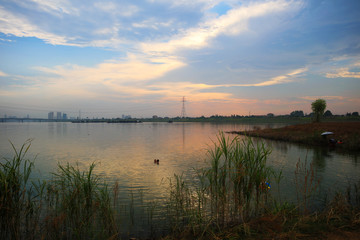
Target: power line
x,y
183,113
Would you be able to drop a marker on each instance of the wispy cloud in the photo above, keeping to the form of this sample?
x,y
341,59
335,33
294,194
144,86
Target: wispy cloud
x,y
232,23
2,74
19,26
312,98
279,79
55,6
343,73
131,69
115,8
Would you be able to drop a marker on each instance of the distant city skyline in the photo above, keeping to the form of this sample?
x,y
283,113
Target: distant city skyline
x,y
140,58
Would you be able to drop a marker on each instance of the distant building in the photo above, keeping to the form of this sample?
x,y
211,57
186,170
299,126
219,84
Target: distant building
x,y
126,116
51,115
58,115
65,117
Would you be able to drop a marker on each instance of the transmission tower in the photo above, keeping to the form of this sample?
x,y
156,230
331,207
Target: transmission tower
x,y
183,113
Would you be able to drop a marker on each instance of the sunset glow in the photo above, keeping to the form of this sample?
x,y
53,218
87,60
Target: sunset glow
x,y
140,58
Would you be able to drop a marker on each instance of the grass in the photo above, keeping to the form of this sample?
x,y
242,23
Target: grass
x,y
310,134
232,189
229,199
19,205
73,205
78,205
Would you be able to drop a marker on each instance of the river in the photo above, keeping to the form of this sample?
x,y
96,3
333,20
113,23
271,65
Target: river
x,y
125,153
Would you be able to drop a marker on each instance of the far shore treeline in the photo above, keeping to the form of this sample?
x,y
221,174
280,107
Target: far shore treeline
x,y
296,116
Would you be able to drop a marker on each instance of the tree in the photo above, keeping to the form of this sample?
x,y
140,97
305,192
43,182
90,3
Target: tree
x,y
355,114
318,107
297,113
328,113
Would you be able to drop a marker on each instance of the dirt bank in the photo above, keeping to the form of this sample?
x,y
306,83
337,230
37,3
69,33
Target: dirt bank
x,y
347,132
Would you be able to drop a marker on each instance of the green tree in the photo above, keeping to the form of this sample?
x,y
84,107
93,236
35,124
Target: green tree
x,y
328,113
318,107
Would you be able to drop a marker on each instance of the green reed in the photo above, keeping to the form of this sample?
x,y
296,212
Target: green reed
x,y
20,199
230,190
79,206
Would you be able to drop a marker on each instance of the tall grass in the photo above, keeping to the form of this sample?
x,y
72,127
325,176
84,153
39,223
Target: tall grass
x,y
20,199
73,205
231,190
306,183
79,206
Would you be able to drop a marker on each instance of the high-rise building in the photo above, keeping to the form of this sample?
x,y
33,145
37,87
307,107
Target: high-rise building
x,y
58,115
65,116
51,115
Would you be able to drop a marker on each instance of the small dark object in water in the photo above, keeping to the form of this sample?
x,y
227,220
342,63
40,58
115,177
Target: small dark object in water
x,y
332,142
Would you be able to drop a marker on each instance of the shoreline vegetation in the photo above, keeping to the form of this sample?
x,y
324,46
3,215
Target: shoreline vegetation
x,y
229,199
252,119
348,133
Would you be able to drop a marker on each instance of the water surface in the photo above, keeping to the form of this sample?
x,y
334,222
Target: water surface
x,y
125,153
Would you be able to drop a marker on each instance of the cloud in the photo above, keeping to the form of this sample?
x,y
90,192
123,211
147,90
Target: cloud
x,y
19,26
2,74
279,79
152,23
116,79
189,3
234,22
133,68
312,98
114,8
343,73
55,6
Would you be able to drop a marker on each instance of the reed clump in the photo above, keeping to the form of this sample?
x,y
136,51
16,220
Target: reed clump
x,y
78,205
232,190
20,199
73,205
230,199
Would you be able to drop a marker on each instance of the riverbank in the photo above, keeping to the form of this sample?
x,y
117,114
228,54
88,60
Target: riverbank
x,y
346,132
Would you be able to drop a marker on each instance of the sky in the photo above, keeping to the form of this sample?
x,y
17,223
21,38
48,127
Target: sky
x,y
140,58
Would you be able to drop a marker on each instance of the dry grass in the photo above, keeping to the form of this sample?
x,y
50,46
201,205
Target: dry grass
x,y
348,132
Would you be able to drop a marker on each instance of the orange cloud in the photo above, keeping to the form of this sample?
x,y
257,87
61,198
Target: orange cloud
x,y
2,74
343,73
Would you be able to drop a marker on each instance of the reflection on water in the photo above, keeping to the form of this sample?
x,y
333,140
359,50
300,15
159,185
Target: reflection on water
x,y
124,153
